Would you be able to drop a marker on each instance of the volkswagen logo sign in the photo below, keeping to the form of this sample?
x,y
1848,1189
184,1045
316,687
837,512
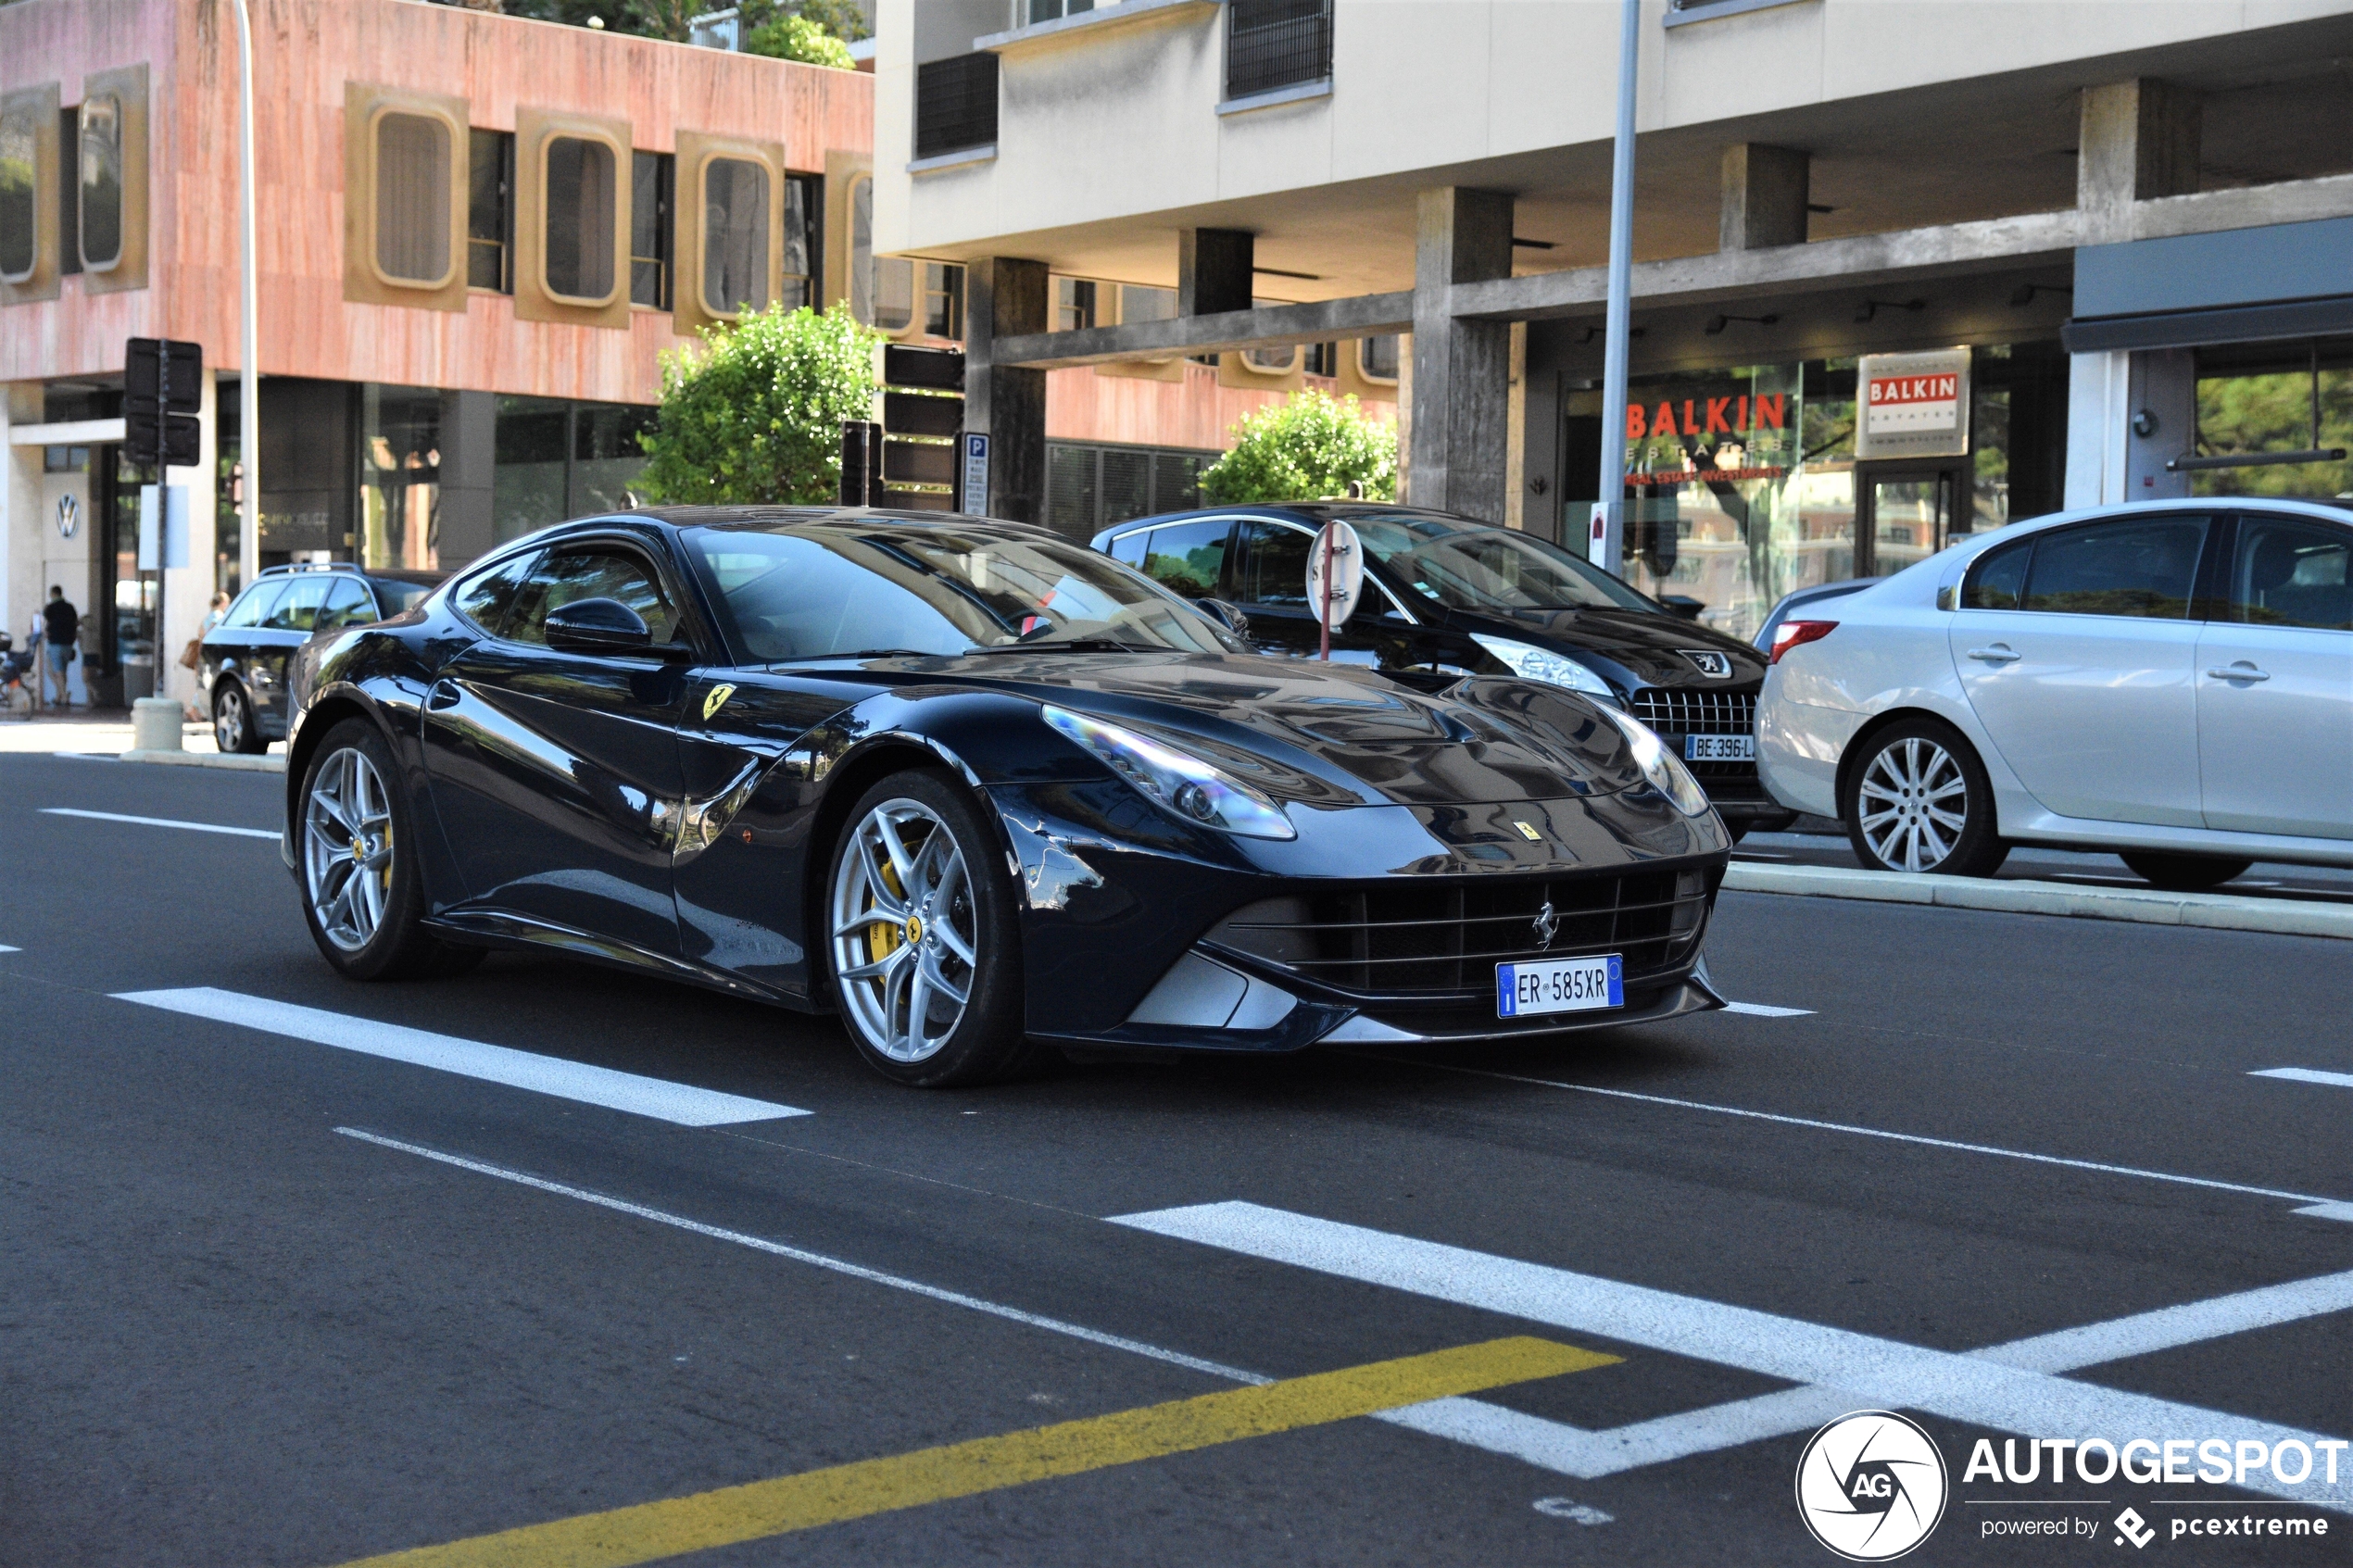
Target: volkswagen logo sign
x,y
1543,926
69,515
1714,666
1871,1486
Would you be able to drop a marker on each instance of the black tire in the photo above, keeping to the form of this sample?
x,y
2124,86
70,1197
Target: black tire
x,y
2177,872
1919,800
235,726
393,943
986,1042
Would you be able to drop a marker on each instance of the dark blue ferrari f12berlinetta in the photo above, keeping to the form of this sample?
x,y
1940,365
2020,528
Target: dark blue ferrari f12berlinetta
x,y
985,793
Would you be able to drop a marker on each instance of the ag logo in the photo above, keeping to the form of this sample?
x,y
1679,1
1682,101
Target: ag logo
x,y
1871,1486
719,695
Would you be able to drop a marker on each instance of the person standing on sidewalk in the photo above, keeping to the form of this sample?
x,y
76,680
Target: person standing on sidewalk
x,y
60,625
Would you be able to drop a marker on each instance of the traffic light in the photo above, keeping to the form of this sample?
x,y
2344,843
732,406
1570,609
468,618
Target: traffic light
x,y
162,392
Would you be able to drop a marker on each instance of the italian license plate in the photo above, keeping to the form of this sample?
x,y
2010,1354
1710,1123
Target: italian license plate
x,y
1527,990
1719,748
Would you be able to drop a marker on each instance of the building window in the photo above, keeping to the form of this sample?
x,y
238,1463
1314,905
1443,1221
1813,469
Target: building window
x,y
734,236
1273,43
955,104
1377,358
944,300
1323,358
20,201
1074,305
490,210
101,193
412,199
804,199
882,289
68,192
1053,10
578,183
651,178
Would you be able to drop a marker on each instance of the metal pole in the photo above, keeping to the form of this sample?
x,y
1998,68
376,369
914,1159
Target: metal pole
x,y
249,352
1606,547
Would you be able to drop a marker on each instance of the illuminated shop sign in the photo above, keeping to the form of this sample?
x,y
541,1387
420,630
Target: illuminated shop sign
x,y
1913,405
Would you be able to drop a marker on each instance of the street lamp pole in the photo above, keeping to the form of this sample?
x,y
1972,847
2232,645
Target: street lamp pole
x,y
1606,547
248,352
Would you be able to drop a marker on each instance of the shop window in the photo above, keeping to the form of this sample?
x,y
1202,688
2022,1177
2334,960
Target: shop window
x,y
412,199
734,236
490,210
882,289
400,438
1074,305
2263,401
19,200
651,176
554,459
606,455
579,181
101,182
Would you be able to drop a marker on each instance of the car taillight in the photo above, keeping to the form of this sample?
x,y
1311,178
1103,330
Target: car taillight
x,y
1790,634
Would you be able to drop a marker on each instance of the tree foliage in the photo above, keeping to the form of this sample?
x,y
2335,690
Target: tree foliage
x,y
755,414
798,38
668,18
1313,446
2274,413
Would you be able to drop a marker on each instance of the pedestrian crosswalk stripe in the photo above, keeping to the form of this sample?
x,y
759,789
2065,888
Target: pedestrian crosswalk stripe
x,y
682,1103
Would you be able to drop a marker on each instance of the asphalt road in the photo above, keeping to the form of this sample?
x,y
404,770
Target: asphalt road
x,y
271,1300
2035,862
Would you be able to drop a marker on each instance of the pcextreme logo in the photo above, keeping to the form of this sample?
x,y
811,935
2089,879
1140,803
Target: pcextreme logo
x,y
1871,1486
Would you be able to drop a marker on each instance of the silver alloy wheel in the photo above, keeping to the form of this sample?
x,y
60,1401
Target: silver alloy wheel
x,y
229,720
905,931
346,848
1913,803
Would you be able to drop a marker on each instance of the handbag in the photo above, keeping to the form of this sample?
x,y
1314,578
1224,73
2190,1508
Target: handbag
x,y
193,655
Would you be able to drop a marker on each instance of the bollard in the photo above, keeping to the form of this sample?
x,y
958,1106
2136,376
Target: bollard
x,y
155,724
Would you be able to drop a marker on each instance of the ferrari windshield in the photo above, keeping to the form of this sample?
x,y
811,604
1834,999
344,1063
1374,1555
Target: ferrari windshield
x,y
1466,566
827,590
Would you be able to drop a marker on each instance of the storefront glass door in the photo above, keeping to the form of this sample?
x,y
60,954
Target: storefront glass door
x,y
1908,515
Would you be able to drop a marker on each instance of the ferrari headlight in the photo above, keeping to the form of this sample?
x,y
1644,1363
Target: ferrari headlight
x,y
1177,781
1661,767
1530,663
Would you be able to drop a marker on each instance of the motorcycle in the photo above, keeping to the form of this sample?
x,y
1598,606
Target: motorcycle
x,y
16,671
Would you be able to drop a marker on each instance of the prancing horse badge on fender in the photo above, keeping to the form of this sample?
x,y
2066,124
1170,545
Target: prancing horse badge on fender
x,y
719,695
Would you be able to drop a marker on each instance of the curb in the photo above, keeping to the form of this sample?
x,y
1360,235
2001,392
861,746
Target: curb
x,y
2220,911
233,760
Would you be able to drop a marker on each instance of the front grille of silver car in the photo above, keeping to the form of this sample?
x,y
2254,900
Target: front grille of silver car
x,y
1436,938
1701,710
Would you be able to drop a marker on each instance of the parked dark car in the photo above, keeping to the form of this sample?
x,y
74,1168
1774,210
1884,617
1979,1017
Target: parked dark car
x,y
983,790
1446,595
242,666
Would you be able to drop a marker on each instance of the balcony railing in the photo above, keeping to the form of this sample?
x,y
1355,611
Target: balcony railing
x,y
955,104
1276,44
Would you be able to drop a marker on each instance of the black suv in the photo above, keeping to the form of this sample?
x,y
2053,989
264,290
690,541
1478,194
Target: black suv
x,y
1446,595
243,663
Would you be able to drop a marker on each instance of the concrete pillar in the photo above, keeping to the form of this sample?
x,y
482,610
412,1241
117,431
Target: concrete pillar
x,y
1005,296
1766,189
2098,416
1213,270
1462,370
2139,140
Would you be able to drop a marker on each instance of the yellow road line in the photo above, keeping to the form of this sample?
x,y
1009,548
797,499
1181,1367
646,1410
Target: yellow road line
x,y
649,1531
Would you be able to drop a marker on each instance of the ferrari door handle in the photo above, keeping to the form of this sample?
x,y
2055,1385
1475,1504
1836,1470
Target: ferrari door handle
x,y
445,695
2239,672
1998,654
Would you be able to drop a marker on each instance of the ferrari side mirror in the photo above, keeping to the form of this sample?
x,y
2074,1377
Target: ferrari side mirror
x,y
598,626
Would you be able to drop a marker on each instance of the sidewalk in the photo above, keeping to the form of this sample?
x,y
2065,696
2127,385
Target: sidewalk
x,y
106,731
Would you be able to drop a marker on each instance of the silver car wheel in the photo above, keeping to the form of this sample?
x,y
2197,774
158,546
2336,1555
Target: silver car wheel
x,y
1913,803
905,931
229,720
347,849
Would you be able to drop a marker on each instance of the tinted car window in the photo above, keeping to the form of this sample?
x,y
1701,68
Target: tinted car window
x,y
2291,573
808,593
297,610
2137,568
1273,564
1185,558
1128,548
565,577
1998,581
348,604
397,596
486,598
1468,566
254,603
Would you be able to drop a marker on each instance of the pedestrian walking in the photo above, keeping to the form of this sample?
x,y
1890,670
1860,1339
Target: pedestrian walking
x,y
60,626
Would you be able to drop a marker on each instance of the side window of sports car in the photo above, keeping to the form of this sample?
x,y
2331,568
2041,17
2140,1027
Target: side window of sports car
x,y
1997,577
591,573
486,598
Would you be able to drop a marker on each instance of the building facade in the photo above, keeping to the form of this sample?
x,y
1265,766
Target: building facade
x,y
478,234
1903,272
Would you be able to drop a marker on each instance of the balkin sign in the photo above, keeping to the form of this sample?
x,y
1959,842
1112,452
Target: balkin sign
x,y
1912,404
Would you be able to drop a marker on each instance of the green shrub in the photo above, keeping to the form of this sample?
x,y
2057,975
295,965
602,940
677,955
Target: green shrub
x,y
755,414
1312,447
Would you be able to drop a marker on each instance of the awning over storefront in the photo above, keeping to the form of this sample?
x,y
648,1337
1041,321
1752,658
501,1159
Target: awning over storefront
x,y
2238,285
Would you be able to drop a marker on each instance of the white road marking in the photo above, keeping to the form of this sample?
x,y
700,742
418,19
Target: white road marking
x,y
2307,1075
158,821
87,756
1758,1010
4,948
1569,1508
681,1103
2010,1388
2318,1208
